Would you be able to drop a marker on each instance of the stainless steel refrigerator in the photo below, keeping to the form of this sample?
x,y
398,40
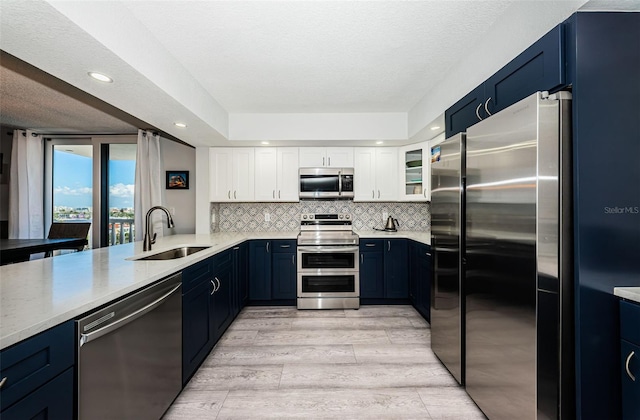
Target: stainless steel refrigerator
x,y
518,272
447,241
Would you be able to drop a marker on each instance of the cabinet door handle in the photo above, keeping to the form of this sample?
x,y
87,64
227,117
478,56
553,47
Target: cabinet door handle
x,y
329,159
428,254
478,111
3,382
293,259
373,193
235,248
235,197
626,366
388,245
486,106
214,288
219,284
369,244
361,259
278,193
267,246
323,161
285,246
229,194
273,194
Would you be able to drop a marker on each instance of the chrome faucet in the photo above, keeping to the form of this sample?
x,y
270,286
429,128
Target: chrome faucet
x,y
148,240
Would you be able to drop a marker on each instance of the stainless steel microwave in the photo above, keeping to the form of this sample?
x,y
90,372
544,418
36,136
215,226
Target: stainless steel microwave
x,y
327,183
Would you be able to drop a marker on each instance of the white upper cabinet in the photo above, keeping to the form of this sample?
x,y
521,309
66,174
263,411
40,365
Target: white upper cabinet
x,y
415,173
276,174
375,174
231,172
330,157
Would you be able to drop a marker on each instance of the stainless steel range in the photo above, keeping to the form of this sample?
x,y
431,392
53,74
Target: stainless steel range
x,y
328,265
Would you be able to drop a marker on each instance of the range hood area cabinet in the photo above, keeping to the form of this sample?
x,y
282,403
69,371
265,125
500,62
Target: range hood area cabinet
x,y
375,174
232,173
276,174
328,157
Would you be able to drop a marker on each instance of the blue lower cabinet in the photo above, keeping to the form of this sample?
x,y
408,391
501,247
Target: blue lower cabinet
x,y
37,376
198,330
630,359
241,276
371,269
284,271
630,372
396,269
260,270
222,295
52,401
420,278
372,275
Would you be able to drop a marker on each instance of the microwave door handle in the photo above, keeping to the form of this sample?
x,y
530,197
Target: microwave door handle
x,y
339,182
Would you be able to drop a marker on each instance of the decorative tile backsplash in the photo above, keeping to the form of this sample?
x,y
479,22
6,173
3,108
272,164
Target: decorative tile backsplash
x,y
246,217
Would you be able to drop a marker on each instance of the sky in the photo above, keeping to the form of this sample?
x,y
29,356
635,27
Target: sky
x,y
72,181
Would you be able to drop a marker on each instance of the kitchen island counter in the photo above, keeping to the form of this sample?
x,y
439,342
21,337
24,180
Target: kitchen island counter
x,y
629,293
40,294
418,236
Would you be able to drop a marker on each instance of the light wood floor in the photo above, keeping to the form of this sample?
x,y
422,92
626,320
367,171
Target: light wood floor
x,y
278,362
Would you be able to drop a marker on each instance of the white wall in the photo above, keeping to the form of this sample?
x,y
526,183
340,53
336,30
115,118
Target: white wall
x,y
329,126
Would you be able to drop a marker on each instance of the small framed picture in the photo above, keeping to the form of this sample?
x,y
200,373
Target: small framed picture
x,y
177,180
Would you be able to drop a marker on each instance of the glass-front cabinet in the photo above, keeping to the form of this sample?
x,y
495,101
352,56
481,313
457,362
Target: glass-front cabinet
x,y
415,174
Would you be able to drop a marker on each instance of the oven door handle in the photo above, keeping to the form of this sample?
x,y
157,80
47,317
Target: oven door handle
x,y
344,249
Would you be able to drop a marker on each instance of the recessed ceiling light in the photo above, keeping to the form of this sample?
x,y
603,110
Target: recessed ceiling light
x,y
435,127
264,142
100,76
181,125
379,142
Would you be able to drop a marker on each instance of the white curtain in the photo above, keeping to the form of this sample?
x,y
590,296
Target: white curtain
x,y
148,187
26,186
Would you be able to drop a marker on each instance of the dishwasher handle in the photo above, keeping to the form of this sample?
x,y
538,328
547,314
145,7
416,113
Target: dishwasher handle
x,y
86,338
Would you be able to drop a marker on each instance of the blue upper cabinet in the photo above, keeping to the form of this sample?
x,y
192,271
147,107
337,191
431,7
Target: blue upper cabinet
x,y
465,113
540,67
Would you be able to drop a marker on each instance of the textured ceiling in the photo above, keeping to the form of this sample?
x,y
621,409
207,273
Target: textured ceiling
x,y
202,62
335,56
26,103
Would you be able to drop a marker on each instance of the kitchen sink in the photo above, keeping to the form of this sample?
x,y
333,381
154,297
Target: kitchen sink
x,y
172,254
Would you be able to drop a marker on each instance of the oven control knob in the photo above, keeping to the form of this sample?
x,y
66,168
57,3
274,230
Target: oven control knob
x,y
347,216
341,216
304,216
311,216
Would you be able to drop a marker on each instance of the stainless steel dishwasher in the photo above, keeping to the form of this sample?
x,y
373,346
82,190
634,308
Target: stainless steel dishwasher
x,y
130,355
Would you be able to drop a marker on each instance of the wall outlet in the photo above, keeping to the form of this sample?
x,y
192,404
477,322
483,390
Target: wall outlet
x,y
267,217
172,210
385,216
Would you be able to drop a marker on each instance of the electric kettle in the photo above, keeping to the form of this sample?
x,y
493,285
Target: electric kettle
x,y
392,225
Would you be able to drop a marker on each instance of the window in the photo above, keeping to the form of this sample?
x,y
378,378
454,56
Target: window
x,y
92,179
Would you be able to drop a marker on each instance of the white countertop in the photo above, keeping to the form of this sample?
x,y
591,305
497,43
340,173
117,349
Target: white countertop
x,y
630,293
40,294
